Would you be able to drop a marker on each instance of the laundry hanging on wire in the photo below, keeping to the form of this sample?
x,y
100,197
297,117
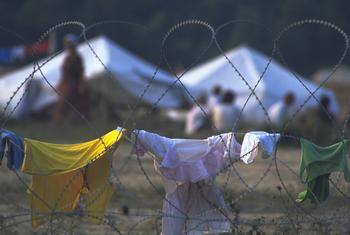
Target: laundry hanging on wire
x,y
66,178
186,165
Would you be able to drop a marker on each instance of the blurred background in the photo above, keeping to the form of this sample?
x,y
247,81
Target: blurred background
x,y
310,50
110,80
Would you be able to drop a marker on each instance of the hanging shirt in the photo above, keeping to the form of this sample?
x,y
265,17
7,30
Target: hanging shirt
x,y
225,116
255,141
64,174
195,208
317,163
185,165
188,159
15,149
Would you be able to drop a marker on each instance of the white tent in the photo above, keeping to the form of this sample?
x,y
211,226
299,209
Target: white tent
x,y
130,74
276,82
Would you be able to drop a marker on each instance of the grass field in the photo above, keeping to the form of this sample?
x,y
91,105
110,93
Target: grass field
x,y
268,208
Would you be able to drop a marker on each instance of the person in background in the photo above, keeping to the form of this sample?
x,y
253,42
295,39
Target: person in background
x,y
214,98
197,117
281,111
226,113
324,112
71,86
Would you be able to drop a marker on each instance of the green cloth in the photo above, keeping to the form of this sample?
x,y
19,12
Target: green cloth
x,y
317,163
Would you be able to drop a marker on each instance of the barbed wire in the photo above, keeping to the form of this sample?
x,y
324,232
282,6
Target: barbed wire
x,y
238,225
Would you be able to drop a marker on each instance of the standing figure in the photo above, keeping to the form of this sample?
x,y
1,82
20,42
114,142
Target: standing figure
x,y
214,98
281,111
197,117
225,114
71,85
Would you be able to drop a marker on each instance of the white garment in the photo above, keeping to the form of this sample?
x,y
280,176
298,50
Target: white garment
x,y
194,209
193,205
225,116
172,152
253,141
195,119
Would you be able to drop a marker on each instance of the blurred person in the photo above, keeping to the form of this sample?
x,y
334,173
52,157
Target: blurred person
x,y
72,84
214,97
196,118
225,114
282,110
324,112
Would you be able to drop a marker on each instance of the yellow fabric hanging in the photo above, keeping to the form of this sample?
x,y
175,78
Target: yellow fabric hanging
x,y
64,174
50,159
57,193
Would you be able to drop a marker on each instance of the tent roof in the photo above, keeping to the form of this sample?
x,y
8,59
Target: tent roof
x,y
112,55
122,64
250,64
276,82
218,71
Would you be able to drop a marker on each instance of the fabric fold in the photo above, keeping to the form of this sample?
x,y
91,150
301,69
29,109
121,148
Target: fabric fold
x,y
258,141
195,208
192,204
188,159
316,165
43,158
70,179
15,149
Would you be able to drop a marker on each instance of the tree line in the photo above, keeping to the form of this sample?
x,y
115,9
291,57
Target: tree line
x,y
305,48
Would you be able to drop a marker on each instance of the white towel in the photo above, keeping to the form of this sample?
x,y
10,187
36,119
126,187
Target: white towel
x,y
255,140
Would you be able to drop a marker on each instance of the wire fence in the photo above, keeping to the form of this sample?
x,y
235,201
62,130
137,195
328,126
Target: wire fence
x,y
144,216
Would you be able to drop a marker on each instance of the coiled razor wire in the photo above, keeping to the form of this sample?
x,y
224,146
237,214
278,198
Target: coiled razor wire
x,y
110,217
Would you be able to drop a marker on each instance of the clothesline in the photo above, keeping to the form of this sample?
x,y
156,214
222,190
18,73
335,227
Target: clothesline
x,y
128,138
186,165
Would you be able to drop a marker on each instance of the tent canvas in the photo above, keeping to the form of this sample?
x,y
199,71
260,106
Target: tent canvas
x,y
129,72
276,82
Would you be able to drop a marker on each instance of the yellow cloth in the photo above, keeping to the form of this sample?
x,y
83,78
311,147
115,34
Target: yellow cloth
x,y
51,159
64,174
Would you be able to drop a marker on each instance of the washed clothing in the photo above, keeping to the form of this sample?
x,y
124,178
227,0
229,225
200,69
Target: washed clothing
x,y
189,159
15,149
258,140
317,163
51,159
195,208
63,175
186,165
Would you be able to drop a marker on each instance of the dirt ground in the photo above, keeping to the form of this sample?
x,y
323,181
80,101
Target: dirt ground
x,y
269,207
